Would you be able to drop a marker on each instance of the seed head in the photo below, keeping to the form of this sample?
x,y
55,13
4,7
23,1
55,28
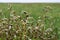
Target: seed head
x,y
49,30
10,6
10,26
39,20
29,39
29,28
42,25
30,18
49,7
14,36
17,31
5,29
19,17
25,12
6,33
36,28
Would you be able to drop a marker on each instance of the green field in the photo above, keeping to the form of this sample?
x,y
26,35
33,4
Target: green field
x,y
35,10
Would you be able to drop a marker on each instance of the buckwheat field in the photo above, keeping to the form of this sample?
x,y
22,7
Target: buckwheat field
x,y
34,21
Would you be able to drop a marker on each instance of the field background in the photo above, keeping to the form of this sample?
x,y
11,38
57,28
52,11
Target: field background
x,y
35,9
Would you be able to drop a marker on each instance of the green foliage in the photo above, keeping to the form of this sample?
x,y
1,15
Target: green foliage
x,y
17,24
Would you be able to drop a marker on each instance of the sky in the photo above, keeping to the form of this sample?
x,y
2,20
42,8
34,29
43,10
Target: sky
x,y
30,1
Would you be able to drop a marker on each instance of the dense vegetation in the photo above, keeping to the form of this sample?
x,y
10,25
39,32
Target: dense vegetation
x,y
29,21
